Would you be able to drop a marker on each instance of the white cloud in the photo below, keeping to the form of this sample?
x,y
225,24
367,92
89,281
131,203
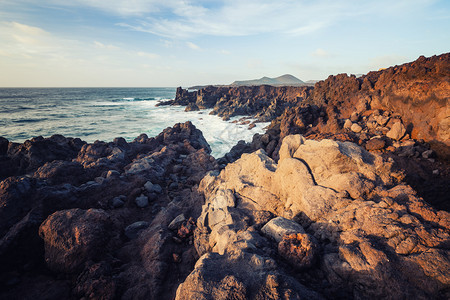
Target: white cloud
x,y
240,18
31,56
186,19
99,45
193,46
224,52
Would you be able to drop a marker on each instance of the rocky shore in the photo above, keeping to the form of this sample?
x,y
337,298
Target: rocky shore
x,y
344,197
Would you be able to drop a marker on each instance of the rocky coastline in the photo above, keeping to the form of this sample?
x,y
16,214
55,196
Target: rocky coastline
x,y
346,196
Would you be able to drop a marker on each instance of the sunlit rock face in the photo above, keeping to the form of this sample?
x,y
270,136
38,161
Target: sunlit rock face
x,y
371,235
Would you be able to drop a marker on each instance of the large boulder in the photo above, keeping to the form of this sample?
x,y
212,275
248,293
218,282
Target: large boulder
x,y
74,236
371,235
33,153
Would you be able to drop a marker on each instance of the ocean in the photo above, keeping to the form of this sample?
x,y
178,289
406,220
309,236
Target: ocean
x,y
106,113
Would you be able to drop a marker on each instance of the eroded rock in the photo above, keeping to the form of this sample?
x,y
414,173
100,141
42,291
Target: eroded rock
x,y
74,236
376,234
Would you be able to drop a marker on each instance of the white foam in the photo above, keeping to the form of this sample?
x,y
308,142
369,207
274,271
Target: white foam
x,y
221,135
105,120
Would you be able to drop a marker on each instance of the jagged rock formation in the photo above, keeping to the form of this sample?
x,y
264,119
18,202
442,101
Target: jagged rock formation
x,y
296,218
402,111
82,213
372,236
262,102
416,92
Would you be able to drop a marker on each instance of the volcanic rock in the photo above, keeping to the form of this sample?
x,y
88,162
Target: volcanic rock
x,y
299,249
132,231
279,227
73,237
142,201
375,144
377,235
397,131
176,222
356,128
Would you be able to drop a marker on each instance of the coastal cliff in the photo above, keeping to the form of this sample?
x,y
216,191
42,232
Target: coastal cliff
x,y
344,197
402,112
416,93
263,102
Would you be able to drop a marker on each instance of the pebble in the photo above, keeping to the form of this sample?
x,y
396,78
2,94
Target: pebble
x,y
142,201
356,128
118,201
152,188
428,154
177,222
348,124
354,117
132,231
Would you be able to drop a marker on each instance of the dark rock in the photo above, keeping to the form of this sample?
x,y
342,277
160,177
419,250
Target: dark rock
x,y
375,144
142,201
299,249
176,222
58,171
132,231
263,102
118,201
95,282
16,200
428,154
32,154
74,236
112,173
3,145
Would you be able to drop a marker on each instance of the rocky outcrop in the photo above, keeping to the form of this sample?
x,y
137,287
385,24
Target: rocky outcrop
x,y
18,159
367,234
72,237
416,92
77,227
262,102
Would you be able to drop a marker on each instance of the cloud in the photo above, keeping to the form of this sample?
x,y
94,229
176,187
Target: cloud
x,y
23,41
184,19
224,52
193,46
181,19
99,45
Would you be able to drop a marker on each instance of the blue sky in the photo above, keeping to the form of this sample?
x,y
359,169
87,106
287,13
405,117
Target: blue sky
x,y
181,43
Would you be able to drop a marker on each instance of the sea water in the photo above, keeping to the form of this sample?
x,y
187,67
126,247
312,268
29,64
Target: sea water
x,y
105,113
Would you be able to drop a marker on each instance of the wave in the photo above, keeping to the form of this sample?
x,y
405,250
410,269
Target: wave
x,y
29,120
127,99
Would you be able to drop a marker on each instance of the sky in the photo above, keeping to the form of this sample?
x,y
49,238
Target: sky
x,y
169,43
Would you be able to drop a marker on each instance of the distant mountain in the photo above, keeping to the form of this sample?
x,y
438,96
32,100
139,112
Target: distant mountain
x,y
282,80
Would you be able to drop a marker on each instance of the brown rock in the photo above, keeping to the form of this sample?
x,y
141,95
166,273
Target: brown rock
x,y
397,131
354,117
348,124
356,128
378,236
298,249
74,236
375,144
